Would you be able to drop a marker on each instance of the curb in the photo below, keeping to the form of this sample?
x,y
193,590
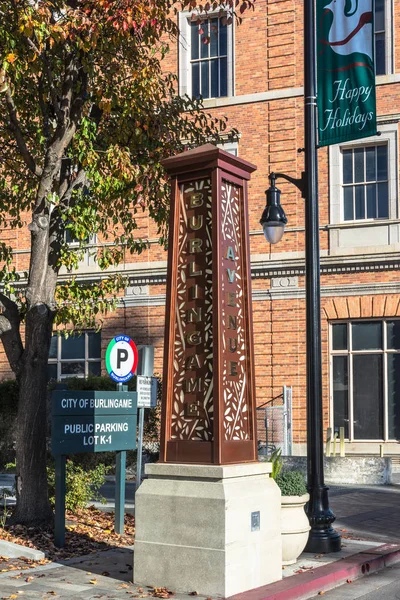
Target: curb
x,y
310,583
12,550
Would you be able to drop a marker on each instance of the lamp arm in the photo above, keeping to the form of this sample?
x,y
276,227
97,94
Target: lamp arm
x,y
299,183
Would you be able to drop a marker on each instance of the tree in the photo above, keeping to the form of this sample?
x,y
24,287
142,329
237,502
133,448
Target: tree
x,y
86,117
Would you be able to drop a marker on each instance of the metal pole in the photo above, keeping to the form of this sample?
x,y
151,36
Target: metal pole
x,y
285,422
120,482
59,524
322,538
139,449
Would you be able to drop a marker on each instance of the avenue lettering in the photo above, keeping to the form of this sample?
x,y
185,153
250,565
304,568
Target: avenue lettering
x,y
231,302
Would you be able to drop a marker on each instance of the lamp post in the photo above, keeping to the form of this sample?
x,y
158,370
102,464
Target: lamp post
x,y
322,537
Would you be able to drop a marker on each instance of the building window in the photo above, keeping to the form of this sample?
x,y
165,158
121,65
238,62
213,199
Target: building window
x,y
75,356
363,192
205,56
365,182
209,58
380,42
383,14
365,379
89,252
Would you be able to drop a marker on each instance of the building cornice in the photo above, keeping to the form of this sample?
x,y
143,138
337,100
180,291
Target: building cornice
x,y
262,266
281,94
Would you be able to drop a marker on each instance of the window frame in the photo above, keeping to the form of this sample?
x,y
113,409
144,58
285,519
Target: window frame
x,y
389,134
350,353
89,257
388,36
59,361
365,182
184,54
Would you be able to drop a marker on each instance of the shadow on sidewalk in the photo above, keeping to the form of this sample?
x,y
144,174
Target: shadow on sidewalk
x,y
367,512
116,563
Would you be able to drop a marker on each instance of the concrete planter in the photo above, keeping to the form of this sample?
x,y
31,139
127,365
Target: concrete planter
x,y
294,527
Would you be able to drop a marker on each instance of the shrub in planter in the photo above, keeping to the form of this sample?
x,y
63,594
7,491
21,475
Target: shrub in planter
x,y
294,521
291,483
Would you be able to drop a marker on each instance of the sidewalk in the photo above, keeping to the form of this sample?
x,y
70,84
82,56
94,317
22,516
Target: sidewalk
x,y
369,513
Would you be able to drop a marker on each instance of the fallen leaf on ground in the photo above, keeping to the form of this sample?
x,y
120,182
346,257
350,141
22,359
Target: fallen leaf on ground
x,y
87,530
163,592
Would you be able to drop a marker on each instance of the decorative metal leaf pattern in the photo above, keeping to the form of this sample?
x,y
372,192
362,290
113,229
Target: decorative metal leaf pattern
x,y
235,389
185,427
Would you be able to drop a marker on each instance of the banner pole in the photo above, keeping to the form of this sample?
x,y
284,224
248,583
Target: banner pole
x,y
322,536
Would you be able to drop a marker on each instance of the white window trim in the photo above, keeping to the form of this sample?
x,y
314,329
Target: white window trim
x,y
389,37
185,72
231,147
59,361
389,134
89,256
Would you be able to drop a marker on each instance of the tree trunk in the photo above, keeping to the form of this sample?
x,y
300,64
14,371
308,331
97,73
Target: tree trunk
x,y
33,506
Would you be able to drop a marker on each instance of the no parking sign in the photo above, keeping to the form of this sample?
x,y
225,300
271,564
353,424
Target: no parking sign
x,y
121,358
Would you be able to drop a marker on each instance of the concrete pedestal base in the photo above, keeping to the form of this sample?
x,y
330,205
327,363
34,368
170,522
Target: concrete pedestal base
x,y
198,528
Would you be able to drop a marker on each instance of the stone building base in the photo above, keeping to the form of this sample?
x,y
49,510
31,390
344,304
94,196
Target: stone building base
x,y
210,529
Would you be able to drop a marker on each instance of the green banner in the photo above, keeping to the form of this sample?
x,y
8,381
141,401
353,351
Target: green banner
x,y
345,71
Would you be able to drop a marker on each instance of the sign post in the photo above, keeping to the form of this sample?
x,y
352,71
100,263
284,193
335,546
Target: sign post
x,y
59,524
91,421
146,387
120,470
121,362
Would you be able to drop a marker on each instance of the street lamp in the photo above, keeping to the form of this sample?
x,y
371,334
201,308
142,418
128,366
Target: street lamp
x,y
273,219
322,537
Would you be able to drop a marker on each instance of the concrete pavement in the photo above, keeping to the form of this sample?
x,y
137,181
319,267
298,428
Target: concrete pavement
x,y
368,513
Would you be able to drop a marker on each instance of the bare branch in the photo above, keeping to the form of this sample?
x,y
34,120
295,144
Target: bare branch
x,y
19,137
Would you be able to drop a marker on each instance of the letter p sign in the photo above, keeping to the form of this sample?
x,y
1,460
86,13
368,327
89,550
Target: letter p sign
x,y
121,358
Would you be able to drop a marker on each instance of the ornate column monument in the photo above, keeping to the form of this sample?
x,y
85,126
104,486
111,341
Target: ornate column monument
x,y
208,516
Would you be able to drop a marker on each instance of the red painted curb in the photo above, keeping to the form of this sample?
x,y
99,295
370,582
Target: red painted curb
x,y
304,585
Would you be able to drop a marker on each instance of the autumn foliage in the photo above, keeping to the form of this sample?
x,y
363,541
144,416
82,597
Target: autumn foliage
x,y
87,114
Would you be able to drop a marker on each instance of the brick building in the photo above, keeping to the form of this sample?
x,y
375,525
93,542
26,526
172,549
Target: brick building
x,y
253,73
